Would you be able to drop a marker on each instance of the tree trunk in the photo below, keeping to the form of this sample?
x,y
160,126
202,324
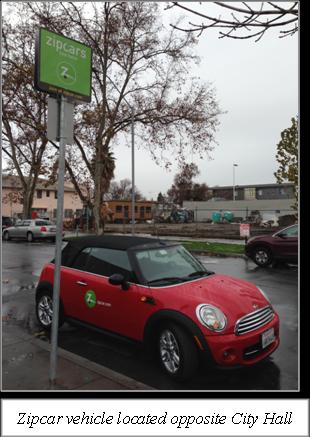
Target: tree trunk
x,y
27,204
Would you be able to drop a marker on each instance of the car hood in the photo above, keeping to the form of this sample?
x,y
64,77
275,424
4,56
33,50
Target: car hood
x,y
235,297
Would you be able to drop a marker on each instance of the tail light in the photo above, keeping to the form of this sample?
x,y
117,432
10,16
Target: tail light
x,y
43,229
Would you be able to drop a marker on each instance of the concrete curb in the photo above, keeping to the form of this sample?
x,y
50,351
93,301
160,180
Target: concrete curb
x,y
221,255
128,383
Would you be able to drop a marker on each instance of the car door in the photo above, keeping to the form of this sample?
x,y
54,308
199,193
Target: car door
x,y
24,229
109,306
286,243
74,281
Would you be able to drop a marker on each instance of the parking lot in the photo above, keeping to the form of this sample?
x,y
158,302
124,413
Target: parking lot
x,y
22,263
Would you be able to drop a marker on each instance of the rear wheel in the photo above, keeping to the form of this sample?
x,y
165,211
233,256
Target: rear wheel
x,y
44,309
262,256
177,352
29,237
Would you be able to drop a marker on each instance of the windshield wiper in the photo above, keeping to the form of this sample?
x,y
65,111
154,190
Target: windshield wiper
x,y
200,273
168,278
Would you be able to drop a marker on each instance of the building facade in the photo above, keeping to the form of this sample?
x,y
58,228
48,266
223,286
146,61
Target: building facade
x,y
44,201
121,210
270,200
252,192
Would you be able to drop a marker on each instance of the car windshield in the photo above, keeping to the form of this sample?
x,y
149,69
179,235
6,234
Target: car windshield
x,y
170,264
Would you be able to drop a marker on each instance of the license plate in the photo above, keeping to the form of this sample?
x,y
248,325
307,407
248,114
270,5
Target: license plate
x,y
268,337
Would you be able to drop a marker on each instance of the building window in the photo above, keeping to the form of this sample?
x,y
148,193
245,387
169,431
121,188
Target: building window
x,y
126,211
68,213
260,192
142,211
119,208
148,210
39,194
249,193
55,192
54,213
136,209
47,193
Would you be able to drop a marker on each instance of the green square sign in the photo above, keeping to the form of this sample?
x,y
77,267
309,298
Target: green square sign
x,y
63,66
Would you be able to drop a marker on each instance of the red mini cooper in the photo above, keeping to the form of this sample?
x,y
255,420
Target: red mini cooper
x,y
157,293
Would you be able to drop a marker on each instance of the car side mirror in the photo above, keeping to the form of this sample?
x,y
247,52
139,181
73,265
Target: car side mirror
x,y
119,279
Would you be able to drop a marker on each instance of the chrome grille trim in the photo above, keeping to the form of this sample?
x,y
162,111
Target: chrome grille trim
x,y
254,320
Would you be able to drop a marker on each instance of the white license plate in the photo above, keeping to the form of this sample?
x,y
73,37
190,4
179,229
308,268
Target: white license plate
x,y
268,337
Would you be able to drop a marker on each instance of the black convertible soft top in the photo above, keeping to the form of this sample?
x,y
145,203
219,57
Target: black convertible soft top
x,y
117,242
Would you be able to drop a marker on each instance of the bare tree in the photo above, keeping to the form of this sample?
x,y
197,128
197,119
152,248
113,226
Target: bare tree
x,y
246,20
134,60
24,140
122,191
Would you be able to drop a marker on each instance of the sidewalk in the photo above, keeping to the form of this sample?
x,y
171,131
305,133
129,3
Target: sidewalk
x,y
25,366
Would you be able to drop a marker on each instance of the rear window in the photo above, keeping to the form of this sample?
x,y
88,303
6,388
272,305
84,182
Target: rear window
x,y
42,223
6,221
104,262
108,261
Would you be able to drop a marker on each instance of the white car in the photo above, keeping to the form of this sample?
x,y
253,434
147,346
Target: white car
x,y
31,230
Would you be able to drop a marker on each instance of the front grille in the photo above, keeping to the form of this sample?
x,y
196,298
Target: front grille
x,y
254,320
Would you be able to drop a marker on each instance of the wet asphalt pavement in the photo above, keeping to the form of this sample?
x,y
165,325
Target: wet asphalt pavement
x,y
22,264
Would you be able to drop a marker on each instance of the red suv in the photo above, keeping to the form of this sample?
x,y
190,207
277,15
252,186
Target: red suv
x,y
157,293
281,246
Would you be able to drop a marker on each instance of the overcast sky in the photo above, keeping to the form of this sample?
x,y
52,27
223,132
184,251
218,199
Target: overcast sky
x,y
257,84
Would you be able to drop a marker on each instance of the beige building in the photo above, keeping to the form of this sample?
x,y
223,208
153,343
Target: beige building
x,y
44,201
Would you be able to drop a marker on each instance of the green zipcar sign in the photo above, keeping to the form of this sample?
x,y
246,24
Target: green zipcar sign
x,y
63,66
90,299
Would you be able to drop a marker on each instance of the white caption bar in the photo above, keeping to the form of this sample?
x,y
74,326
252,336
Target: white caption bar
x,y
165,417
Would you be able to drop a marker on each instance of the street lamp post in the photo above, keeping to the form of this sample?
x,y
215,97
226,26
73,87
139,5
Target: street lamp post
x,y
234,165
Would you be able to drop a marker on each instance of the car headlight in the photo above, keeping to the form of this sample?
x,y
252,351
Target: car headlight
x,y
264,294
211,317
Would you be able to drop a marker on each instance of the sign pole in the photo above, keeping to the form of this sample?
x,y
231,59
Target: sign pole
x,y
60,202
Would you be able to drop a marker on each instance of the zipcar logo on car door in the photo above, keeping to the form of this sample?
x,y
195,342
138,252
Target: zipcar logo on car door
x,y
90,299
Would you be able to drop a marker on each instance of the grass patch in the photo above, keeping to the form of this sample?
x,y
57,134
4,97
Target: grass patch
x,y
214,247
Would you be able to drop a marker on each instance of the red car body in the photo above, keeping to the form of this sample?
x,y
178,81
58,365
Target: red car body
x,y
137,313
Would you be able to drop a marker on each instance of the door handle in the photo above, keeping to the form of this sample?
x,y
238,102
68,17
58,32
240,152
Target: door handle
x,y
81,283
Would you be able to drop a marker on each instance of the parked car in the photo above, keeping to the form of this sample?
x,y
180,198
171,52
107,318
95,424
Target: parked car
x,y
30,230
156,293
281,246
6,222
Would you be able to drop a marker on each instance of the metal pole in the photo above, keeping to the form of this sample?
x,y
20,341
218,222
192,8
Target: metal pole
x,y
233,182
59,218
132,174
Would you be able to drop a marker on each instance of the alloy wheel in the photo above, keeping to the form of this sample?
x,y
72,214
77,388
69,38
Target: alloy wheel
x,y
45,310
169,351
262,257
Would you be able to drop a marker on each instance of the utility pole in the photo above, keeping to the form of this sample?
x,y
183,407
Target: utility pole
x,y
234,165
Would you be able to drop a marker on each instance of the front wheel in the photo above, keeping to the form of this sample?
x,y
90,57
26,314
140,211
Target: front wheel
x,y
177,352
44,310
262,256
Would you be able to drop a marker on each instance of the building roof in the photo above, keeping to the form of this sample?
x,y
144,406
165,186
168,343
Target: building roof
x,y
226,187
12,181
